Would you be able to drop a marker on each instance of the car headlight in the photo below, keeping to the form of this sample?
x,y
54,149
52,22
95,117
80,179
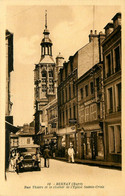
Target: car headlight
x,y
21,158
34,157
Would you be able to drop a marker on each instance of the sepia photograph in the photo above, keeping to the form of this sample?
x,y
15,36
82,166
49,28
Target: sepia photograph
x,y
63,99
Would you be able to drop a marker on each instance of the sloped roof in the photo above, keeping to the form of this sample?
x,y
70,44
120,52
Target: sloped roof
x,y
28,131
47,59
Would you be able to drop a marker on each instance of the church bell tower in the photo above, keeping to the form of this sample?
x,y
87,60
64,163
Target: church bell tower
x,y
44,74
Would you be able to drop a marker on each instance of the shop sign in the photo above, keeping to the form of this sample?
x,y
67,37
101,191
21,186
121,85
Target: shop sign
x,y
72,121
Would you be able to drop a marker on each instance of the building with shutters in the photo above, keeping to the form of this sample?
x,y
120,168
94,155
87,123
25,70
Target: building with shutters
x,y
67,105
112,89
91,114
71,77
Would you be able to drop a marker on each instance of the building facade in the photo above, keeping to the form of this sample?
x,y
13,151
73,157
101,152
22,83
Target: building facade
x,y
23,137
90,99
91,113
112,89
9,127
67,104
68,110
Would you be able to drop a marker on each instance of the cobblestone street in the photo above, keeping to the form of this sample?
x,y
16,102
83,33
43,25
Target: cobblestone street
x,y
62,176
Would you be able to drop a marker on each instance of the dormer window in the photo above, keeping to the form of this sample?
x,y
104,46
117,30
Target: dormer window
x,y
109,28
117,20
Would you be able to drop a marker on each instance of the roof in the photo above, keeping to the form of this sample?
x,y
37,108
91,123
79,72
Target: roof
x,y
47,59
28,131
109,25
11,127
60,56
118,15
46,40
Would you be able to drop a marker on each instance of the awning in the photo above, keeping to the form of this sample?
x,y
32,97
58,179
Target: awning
x,y
29,146
50,136
67,130
11,128
91,127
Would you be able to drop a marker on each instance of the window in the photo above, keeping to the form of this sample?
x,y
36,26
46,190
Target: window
x,y
118,97
59,97
50,80
62,96
69,92
97,83
108,65
66,116
60,117
44,73
86,90
86,114
74,112
117,59
43,88
63,118
81,93
114,138
70,112
50,73
73,88
66,93
110,100
50,87
91,87
93,112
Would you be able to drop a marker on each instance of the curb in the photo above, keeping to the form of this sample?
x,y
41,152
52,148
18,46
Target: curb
x,y
98,164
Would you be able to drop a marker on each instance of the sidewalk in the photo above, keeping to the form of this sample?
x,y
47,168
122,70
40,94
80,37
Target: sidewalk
x,y
99,163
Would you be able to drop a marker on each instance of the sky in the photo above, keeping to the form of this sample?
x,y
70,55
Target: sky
x,y
69,28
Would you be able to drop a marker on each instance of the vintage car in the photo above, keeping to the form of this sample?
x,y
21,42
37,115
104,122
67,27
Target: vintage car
x,y
28,158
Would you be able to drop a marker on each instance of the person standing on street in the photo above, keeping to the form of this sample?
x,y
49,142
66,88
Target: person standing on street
x,y
46,156
71,154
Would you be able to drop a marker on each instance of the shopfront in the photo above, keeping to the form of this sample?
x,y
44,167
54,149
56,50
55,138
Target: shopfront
x,y
65,137
91,144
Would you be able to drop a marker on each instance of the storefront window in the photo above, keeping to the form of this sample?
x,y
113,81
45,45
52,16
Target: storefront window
x,y
100,146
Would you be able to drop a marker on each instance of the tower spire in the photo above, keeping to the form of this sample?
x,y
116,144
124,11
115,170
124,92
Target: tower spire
x,y
45,19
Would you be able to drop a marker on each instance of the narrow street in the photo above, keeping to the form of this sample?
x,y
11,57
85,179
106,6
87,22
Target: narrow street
x,y
62,176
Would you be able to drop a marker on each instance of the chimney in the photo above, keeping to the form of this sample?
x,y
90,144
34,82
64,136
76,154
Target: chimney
x,y
117,20
109,28
101,38
92,35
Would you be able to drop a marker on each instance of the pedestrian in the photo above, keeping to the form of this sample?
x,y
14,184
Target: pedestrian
x,y
46,156
12,160
71,153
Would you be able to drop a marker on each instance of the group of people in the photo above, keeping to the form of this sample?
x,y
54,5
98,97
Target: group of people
x,y
13,160
46,155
